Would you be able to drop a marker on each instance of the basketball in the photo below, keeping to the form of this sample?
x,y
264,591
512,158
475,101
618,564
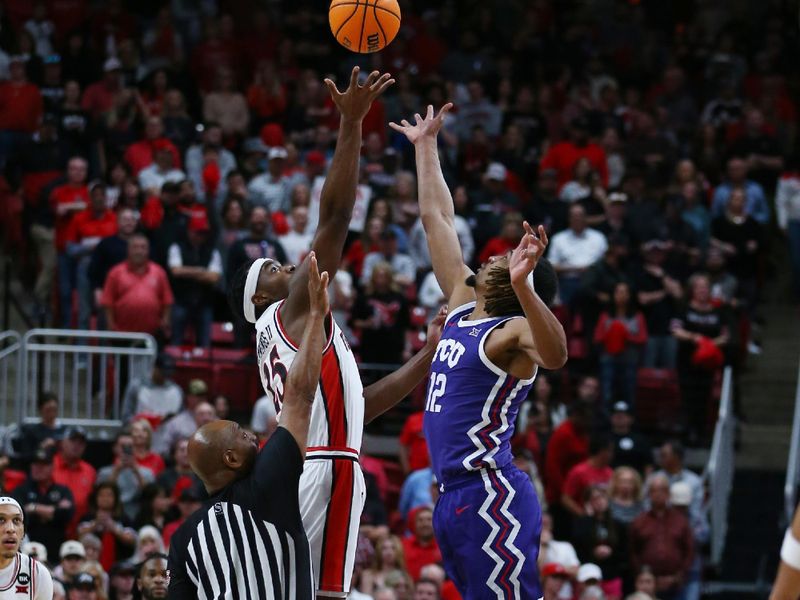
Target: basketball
x,y
363,26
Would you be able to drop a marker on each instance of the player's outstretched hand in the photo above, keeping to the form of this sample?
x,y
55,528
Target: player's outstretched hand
x,y
425,128
317,288
354,103
525,256
435,328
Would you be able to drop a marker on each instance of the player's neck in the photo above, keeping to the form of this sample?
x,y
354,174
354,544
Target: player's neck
x,y
479,312
6,560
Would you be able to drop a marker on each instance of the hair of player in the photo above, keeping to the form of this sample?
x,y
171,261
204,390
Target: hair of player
x,y
236,292
150,556
500,298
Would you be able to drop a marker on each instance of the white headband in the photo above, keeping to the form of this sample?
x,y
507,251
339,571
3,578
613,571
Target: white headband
x,y
250,285
11,501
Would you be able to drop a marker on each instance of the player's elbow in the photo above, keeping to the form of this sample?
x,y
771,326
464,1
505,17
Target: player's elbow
x,y
555,358
433,219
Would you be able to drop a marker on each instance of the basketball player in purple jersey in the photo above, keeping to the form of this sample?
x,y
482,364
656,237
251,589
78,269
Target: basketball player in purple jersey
x,y
498,332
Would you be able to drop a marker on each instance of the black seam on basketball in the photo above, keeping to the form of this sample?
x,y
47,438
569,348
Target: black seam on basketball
x,y
391,12
355,10
378,21
363,24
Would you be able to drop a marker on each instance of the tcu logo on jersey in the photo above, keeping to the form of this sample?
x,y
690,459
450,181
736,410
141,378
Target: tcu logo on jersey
x,y
449,351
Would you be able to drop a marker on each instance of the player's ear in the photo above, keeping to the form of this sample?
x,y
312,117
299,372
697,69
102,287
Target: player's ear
x,y
231,459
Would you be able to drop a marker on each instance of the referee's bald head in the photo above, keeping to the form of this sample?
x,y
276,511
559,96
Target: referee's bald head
x,y
221,452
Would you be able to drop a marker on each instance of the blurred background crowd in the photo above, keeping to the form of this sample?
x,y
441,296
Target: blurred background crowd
x,y
148,149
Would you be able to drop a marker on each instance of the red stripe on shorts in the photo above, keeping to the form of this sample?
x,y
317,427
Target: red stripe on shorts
x,y
337,528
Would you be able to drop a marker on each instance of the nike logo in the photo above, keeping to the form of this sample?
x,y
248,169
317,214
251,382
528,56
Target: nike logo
x,y
462,509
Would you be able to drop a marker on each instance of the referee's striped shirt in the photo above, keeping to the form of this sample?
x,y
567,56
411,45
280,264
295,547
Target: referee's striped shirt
x,y
247,541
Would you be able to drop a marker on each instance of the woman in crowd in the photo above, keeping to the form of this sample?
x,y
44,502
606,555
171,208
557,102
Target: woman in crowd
x,y
702,333
625,495
368,242
142,435
621,333
108,522
599,539
156,505
227,106
149,541
388,558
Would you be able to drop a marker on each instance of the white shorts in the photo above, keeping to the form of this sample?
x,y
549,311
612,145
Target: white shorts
x,y
332,494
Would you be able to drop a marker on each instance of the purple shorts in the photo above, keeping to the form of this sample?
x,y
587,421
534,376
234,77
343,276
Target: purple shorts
x,y
488,525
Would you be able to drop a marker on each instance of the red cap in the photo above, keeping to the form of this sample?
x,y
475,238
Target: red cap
x,y
551,569
315,157
272,135
199,223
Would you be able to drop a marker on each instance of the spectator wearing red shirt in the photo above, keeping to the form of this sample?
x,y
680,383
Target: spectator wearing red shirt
x,y
71,471
210,55
594,470
140,154
136,295
86,230
9,478
188,502
563,156
100,97
508,239
142,436
413,447
661,538
266,96
20,100
568,445
420,548
66,201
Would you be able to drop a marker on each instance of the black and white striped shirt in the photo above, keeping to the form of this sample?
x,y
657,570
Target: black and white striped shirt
x,y
247,541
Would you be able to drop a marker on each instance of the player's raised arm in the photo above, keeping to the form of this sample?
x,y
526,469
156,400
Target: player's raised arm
x,y
543,339
303,377
436,206
339,192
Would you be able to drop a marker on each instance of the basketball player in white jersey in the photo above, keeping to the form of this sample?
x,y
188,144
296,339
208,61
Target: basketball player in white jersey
x,y
20,576
274,297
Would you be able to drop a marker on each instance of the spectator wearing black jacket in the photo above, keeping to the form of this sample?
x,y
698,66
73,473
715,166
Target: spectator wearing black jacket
x,y
257,244
195,268
44,434
48,506
630,448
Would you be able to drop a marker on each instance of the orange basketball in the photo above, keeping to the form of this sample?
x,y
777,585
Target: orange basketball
x,y
364,26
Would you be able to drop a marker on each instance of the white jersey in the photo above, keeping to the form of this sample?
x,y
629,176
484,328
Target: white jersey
x,y
337,417
25,577
332,488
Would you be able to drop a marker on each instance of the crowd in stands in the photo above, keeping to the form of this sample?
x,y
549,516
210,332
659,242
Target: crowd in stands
x,y
149,149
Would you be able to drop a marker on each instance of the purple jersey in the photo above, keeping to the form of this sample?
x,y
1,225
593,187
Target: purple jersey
x,y
472,404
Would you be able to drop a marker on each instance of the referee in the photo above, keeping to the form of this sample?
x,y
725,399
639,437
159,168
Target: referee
x,y
247,540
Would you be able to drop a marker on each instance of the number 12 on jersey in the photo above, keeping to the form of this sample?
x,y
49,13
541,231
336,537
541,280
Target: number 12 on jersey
x,y
436,388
